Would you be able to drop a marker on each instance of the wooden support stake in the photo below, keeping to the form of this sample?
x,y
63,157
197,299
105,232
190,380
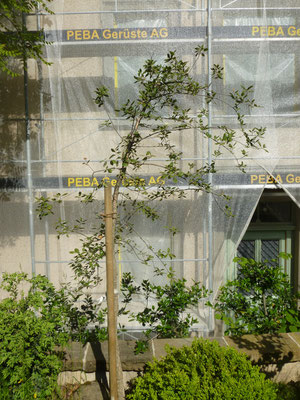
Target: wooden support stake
x,y
111,318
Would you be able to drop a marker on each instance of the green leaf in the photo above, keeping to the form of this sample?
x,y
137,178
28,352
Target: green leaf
x,y
294,328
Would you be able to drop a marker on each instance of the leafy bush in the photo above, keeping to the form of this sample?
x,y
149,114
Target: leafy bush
x,y
203,371
167,316
33,322
290,391
259,300
31,325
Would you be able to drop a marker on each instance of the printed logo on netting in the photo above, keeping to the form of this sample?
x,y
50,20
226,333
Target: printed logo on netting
x,y
217,179
182,32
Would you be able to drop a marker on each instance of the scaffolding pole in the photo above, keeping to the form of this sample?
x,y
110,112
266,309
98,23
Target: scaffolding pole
x,y
28,163
42,149
209,158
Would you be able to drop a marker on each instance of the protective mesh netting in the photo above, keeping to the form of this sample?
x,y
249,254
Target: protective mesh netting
x,y
105,42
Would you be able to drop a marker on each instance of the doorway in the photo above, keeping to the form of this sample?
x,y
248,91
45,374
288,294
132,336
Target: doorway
x,y
271,231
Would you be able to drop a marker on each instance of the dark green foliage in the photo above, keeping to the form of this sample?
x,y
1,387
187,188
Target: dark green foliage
x,y
16,40
204,371
290,391
101,92
259,300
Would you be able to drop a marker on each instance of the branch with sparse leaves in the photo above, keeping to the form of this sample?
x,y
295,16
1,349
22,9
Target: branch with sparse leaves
x,y
155,118
16,41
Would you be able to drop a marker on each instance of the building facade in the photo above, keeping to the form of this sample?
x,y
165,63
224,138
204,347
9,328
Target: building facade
x,y
94,43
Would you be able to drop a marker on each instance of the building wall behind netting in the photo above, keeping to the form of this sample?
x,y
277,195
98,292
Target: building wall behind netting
x,y
105,43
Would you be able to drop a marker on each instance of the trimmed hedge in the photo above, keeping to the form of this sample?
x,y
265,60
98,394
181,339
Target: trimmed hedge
x,y
204,371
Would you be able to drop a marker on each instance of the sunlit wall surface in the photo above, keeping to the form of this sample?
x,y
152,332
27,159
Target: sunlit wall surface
x,y
106,42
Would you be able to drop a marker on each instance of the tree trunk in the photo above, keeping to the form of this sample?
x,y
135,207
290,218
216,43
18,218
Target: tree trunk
x,y
115,368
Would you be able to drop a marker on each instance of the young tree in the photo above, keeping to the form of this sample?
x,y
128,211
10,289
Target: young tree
x,y
16,41
158,112
155,116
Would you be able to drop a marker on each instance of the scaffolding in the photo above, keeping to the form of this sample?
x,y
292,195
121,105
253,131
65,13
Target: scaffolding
x,y
205,13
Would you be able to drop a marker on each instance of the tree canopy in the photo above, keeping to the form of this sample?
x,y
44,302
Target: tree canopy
x,y
16,41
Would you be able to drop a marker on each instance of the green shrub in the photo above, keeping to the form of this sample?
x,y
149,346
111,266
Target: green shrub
x,y
288,391
31,326
35,320
259,300
168,316
203,371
